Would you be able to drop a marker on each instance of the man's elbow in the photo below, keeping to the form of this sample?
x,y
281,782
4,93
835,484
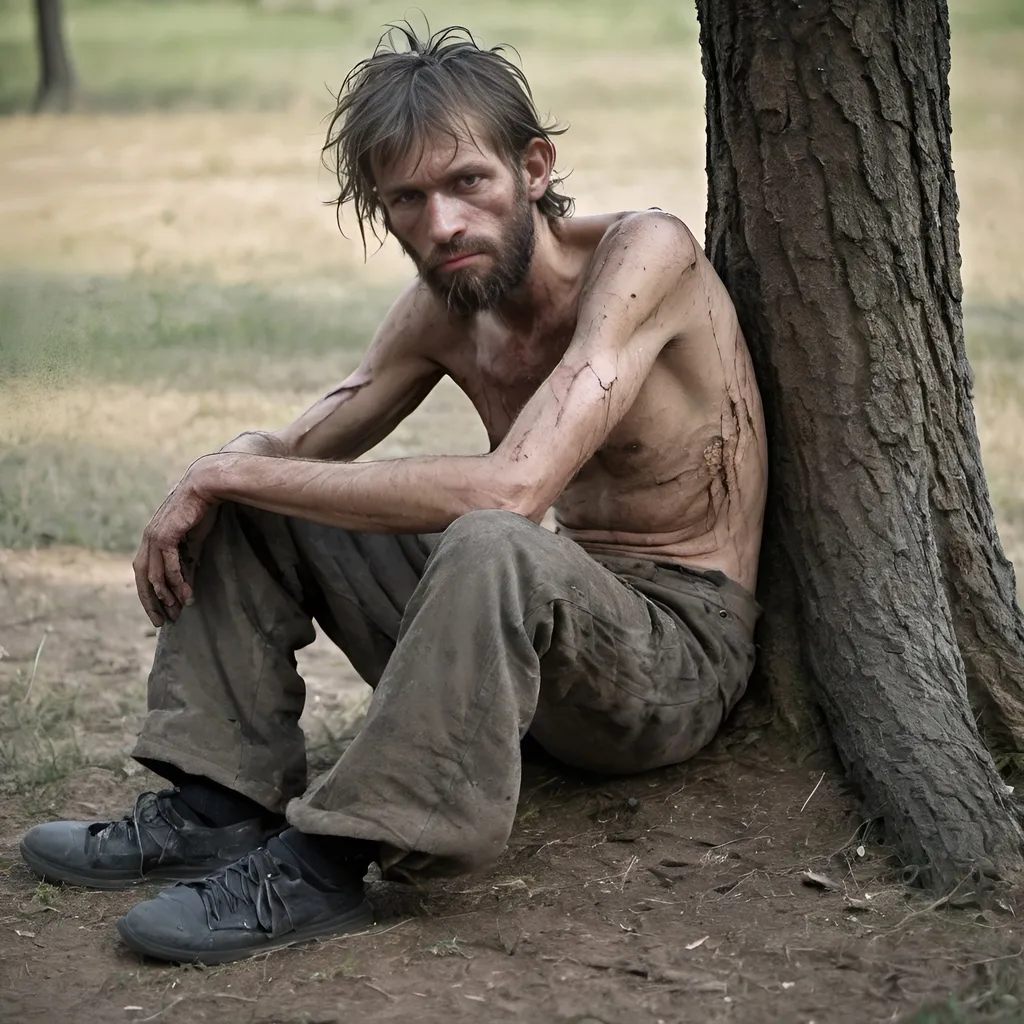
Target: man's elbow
x,y
523,497
507,490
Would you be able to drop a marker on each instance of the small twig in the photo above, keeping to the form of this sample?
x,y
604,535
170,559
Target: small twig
x,y
173,1002
35,666
993,959
742,839
370,984
813,791
866,825
198,995
375,931
632,864
940,902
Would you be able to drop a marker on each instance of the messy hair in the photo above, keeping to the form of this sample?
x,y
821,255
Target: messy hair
x,y
396,99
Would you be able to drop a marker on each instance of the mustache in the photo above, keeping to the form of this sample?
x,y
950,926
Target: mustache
x,y
458,247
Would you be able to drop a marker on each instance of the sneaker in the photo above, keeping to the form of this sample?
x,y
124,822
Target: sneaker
x,y
259,903
155,843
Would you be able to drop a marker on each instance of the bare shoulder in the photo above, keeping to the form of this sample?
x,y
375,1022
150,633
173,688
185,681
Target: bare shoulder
x,y
639,267
650,245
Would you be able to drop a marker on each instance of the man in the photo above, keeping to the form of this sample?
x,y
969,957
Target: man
x,y
604,357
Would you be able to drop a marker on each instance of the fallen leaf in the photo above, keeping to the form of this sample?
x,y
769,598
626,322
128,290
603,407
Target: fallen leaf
x,y
858,906
24,935
813,879
860,851
697,942
693,980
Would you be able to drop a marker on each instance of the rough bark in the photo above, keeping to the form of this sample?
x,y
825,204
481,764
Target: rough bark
x,y
832,218
56,88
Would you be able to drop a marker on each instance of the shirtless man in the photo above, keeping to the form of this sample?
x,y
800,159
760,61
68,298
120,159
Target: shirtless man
x,y
604,357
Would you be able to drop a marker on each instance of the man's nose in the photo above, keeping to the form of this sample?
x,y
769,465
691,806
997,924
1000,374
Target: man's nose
x,y
445,219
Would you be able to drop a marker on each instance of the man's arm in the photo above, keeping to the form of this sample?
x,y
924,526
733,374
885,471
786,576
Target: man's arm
x,y
393,378
395,375
624,323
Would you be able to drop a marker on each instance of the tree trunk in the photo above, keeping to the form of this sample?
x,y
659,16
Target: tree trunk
x,y
832,219
56,89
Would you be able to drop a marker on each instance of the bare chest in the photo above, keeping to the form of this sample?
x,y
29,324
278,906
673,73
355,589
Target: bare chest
x,y
500,375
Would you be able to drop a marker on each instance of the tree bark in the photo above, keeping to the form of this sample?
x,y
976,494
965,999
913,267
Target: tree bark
x,y
832,219
56,88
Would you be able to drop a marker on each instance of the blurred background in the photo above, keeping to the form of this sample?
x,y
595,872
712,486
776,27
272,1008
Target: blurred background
x,y
170,275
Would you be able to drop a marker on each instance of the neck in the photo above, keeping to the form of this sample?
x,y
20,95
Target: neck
x,y
549,288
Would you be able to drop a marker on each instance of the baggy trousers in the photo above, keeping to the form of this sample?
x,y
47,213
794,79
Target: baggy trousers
x,y
470,639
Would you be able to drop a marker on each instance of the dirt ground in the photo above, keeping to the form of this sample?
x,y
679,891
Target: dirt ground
x,y
676,896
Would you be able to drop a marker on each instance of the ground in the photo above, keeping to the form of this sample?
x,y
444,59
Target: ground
x,y
168,277
679,895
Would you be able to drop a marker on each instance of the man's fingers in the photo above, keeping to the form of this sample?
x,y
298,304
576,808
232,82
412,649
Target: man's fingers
x,y
174,577
162,613
159,583
146,595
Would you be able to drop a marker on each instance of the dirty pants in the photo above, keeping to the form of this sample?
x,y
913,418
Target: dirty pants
x,y
470,639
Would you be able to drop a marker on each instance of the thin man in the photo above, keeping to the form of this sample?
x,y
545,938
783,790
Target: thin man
x,y
604,357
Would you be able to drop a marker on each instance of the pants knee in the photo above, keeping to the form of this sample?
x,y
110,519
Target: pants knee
x,y
489,530
491,536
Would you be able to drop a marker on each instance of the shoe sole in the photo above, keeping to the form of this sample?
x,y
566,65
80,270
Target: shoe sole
x,y
355,920
57,873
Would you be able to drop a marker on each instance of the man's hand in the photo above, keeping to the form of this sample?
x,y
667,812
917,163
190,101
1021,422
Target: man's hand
x,y
164,566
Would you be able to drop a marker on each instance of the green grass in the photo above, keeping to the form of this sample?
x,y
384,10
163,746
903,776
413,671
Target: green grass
x,y
995,331
163,54
77,493
991,18
183,333
39,743
144,329
152,333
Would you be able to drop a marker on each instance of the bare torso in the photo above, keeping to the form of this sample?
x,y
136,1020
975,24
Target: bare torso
x,y
682,476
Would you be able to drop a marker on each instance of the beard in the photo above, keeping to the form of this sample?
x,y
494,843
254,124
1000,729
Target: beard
x,y
468,291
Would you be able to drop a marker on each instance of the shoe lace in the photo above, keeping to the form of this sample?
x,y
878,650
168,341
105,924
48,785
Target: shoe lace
x,y
249,882
150,809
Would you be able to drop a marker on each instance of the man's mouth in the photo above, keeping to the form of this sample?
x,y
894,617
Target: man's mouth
x,y
459,261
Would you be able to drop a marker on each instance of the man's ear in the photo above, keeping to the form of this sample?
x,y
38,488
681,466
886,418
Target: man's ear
x,y
538,163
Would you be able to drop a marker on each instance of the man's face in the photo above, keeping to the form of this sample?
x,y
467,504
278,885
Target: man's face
x,y
465,219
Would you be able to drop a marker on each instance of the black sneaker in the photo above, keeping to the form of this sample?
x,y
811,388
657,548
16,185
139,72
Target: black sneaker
x,y
155,843
259,903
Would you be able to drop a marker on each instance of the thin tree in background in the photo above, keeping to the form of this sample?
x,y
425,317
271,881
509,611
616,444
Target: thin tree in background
x,y
56,88
832,216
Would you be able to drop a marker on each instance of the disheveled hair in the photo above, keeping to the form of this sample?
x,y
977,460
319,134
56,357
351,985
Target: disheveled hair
x,y
397,99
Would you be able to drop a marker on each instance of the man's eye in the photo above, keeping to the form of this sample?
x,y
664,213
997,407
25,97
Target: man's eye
x,y
407,197
469,180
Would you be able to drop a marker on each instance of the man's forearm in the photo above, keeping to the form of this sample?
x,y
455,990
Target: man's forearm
x,y
418,495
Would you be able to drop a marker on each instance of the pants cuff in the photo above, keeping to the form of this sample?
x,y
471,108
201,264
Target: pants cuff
x,y
152,755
